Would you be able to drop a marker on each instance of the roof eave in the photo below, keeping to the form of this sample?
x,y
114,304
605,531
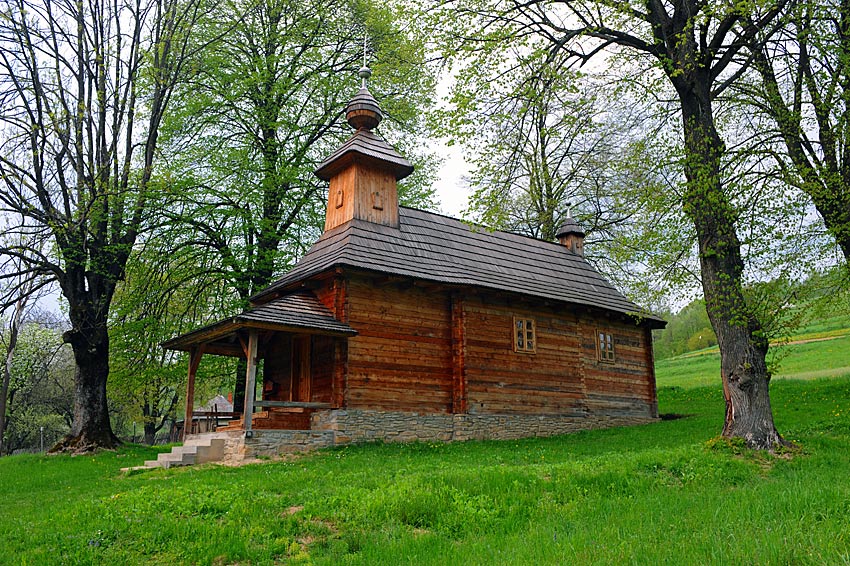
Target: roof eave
x,y
339,162
216,331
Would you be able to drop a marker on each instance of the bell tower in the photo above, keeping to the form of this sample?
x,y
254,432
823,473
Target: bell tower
x,y
364,171
571,235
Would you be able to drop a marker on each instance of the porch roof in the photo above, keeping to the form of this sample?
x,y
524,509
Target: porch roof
x,y
299,312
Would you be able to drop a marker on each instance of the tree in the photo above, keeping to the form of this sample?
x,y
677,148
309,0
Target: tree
x,y
20,296
804,89
545,141
264,106
544,138
84,87
696,46
160,296
40,383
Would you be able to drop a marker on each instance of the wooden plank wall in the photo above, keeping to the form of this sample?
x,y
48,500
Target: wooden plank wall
x,y
322,366
332,292
500,380
630,377
277,368
362,191
401,360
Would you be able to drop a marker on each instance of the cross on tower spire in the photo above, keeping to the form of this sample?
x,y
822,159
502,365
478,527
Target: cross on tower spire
x,y
365,72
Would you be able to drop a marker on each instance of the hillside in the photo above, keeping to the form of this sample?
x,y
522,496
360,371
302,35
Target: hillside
x,y
660,493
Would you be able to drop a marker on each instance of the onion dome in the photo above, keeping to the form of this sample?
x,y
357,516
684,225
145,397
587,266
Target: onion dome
x,y
363,111
570,227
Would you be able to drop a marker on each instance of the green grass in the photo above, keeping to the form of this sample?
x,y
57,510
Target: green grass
x,y
821,358
655,494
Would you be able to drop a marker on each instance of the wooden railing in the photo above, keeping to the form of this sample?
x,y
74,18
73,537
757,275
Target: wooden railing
x,y
292,404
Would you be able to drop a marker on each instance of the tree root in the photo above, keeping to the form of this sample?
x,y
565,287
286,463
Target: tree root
x,y
85,444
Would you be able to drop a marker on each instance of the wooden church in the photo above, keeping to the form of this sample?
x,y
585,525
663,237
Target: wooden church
x,y
400,324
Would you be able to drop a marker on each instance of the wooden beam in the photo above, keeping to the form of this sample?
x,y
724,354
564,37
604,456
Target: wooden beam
x,y
341,299
290,404
244,345
223,349
340,371
650,363
250,381
194,361
459,398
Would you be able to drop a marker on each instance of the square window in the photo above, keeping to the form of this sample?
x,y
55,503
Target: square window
x,y
525,338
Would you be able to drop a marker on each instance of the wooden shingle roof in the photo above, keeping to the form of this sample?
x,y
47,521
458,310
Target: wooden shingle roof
x,y
437,248
366,144
297,312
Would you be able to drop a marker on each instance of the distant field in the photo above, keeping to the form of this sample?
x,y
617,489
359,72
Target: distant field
x,y
808,360
654,494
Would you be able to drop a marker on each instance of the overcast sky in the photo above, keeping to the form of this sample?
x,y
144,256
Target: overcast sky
x,y
452,194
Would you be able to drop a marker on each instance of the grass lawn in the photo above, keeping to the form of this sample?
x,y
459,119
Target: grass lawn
x,y
655,494
822,357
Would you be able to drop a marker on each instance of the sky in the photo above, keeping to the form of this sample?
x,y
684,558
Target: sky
x,y
451,192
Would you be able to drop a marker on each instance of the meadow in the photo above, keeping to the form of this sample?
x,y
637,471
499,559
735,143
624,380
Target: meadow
x,y
664,493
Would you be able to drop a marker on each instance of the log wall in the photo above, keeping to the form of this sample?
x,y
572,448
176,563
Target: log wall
x,y
278,367
401,358
322,365
627,384
502,381
434,350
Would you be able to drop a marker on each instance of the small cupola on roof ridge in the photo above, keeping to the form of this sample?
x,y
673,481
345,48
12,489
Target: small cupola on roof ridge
x,y
571,235
363,173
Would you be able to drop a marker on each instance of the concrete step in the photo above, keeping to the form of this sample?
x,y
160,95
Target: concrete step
x,y
196,450
179,456
213,451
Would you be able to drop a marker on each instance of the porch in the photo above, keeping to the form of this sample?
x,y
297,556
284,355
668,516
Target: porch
x,y
292,347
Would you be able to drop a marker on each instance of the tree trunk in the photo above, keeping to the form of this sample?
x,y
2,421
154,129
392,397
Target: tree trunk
x,y
11,346
239,388
148,424
7,378
91,429
4,394
150,433
743,346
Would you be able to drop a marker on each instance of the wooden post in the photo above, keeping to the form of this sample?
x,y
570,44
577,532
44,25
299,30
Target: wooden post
x,y
194,360
340,371
650,360
250,381
459,401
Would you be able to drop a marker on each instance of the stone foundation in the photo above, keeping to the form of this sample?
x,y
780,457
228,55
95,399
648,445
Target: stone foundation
x,y
347,426
352,426
238,447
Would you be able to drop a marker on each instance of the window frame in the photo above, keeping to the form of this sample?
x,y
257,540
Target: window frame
x,y
521,325
605,351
